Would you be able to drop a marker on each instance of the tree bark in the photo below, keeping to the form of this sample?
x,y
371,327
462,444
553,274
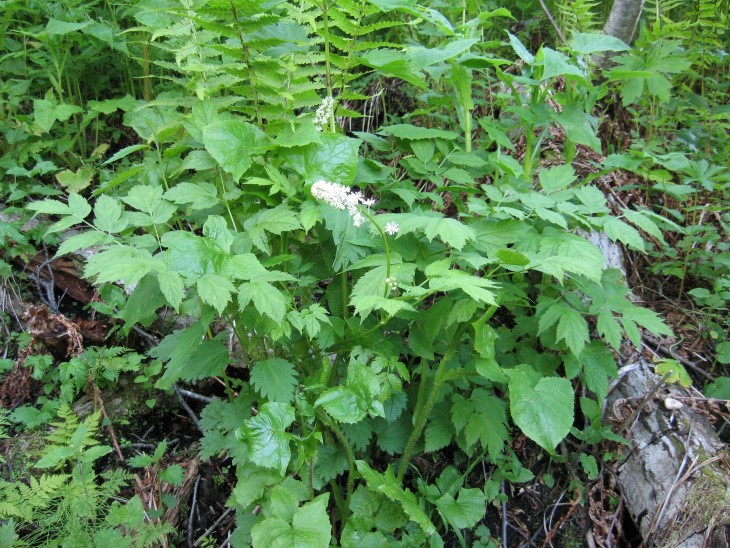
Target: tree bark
x,y
674,475
623,19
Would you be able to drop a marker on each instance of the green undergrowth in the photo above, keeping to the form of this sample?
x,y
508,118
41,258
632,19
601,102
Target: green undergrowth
x,y
369,299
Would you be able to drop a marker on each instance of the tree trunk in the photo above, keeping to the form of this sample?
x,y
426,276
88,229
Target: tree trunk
x,y
623,19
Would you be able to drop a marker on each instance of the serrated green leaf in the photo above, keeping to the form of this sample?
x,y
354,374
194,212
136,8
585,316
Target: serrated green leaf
x,y
309,215
232,143
119,262
275,379
78,206
618,230
473,286
599,366
215,290
366,304
388,485
520,49
357,398
275,221
84,240
557,178
609,327
331,462
562,252
573,328
198,195
310,527
543,411
268,300
644,222
266,436
556,64
107,215
177,348
173,474
483,419
49,207
171,285
439,431
648,319
334,159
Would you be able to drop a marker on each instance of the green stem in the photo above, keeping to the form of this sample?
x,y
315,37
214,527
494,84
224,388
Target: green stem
x,y
332,425
385,245
343,288
249,68
425,410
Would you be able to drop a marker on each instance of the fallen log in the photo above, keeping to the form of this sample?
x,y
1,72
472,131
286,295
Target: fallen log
x,y
674,474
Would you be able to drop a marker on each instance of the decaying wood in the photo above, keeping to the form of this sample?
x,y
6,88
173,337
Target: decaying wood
x,y
675,472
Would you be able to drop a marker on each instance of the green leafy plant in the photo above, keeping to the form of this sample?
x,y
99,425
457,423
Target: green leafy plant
x,y
366,298
70,503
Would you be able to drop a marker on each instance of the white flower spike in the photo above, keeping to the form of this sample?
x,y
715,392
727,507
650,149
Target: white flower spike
x,y
324,112
340,197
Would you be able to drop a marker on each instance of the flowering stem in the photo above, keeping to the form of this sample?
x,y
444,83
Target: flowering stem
x,y
385,245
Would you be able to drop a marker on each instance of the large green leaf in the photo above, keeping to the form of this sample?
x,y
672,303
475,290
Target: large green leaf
x,y
388,485
178,347
543,411
466,510
586,44
334,159
266,436
572,328
215,290
233,144
310,527
356,399
275,379
268,300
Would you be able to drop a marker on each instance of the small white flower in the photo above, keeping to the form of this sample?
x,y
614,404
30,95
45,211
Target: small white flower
x,y
392,228
368,202
324,113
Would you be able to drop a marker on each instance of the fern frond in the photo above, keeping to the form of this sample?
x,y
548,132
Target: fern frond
x,y
577,15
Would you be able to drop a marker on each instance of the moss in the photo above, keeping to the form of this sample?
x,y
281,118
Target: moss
x,y
707,505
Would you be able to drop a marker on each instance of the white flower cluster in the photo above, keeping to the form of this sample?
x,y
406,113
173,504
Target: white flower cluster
x,y
392,228
341,197
324,113
392,284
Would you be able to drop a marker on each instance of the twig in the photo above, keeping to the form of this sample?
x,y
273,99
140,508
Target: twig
x,y
549,15
649,395
505,521
151,339
191,516
110,428
668,352
213,527
187,408
194,396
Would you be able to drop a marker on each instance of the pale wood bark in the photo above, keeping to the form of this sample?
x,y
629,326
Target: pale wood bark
x,y
675,474
623,19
